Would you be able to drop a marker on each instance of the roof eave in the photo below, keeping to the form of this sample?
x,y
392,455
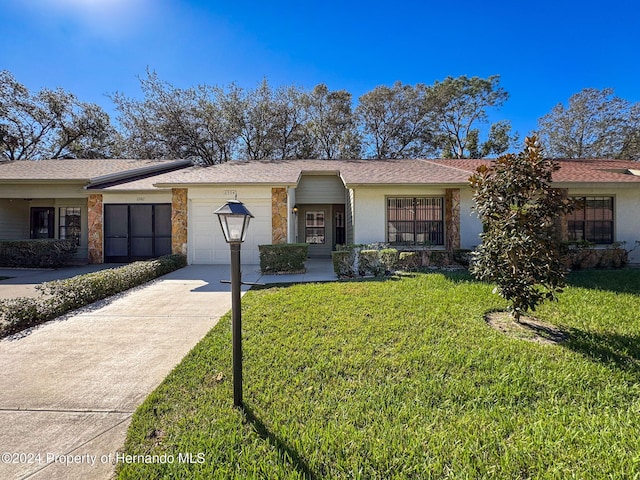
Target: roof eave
x,y
408,184
225,184
138,172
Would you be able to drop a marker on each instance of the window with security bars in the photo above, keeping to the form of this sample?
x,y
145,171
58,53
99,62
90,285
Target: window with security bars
x,y
415,220
69,222
591,220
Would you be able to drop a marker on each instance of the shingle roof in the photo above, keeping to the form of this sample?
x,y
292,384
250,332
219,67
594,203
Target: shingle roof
x,y
287,172
572,170
378,172
73,169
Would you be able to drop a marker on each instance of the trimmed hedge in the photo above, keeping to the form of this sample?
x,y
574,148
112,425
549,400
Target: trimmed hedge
x,y
283,257
61,296
369,263
343,263
409,261
378,259
389,258
581,257
41,253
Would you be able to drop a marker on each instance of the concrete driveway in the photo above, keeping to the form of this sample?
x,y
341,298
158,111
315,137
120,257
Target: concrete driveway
x,y
68,388
22,281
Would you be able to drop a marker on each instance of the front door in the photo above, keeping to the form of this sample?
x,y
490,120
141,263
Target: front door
x,y
42,222
322,227
339,226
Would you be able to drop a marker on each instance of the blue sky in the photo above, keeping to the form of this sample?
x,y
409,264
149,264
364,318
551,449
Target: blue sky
x,y
544,51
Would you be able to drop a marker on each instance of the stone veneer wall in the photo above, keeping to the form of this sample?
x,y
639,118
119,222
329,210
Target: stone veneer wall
x,y
452,218
279,215
179,216
95,227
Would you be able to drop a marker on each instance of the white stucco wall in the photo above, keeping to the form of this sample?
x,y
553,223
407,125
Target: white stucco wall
x,y
626,214
470,224
370,210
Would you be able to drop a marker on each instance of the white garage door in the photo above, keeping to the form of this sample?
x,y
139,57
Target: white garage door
x,y
206,242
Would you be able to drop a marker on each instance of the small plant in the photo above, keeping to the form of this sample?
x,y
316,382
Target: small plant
x,y
462,256
343,261
369,263
409,261
520,249
389,258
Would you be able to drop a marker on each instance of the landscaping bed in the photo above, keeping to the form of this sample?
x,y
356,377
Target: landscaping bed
x,y
404,378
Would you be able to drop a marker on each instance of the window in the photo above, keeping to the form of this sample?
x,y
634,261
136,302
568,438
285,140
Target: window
x,y
415,220
592,220
314,227
69,224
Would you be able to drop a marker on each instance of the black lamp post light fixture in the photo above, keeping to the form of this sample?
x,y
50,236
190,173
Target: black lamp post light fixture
x,y
234,220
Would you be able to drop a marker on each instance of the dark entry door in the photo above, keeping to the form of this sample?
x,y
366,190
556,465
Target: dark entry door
x,y
136,232
339,226
42,221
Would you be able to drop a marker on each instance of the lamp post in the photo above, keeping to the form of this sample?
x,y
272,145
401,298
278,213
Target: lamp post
x,y
234,220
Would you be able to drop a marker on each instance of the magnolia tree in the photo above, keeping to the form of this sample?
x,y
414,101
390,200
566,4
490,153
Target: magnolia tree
x,y
520,249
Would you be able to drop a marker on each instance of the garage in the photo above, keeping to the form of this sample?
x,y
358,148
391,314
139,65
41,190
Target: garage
x,y
206,242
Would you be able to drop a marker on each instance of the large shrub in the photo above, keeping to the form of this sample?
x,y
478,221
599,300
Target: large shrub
x,y
520,249
61,296
283,257
41,253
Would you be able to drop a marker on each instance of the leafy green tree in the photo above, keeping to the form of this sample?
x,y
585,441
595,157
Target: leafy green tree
x,y
520,249
459,104
331,125
50,124
595,124
396,121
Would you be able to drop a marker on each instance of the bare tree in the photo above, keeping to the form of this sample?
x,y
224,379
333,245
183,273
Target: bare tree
x,y
396,121
50,124
195,123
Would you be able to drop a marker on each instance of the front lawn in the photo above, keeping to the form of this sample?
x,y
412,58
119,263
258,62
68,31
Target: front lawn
x,y
404,379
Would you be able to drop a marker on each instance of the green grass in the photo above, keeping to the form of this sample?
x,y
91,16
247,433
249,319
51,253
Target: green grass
x,y
403,379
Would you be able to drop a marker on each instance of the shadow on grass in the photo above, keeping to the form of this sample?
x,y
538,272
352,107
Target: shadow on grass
x,y
624,280
287,453
620,351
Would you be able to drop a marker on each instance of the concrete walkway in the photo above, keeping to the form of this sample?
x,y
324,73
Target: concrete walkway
x,y
68,388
